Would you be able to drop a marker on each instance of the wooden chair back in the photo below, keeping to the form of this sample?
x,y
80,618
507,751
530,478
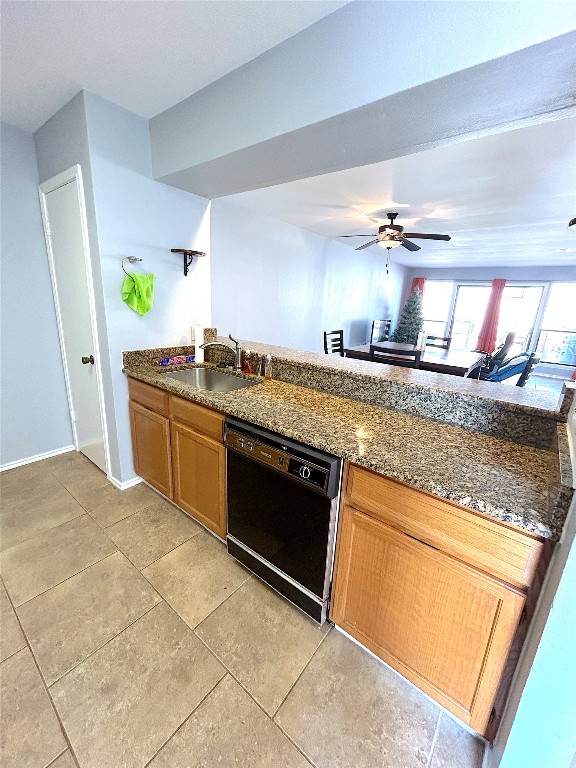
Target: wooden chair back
x,y
443,342
334,343
407,358
380,331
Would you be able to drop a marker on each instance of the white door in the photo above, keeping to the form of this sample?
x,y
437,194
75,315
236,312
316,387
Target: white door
x,y
65,228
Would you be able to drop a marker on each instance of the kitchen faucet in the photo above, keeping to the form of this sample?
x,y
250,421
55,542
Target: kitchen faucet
x,y
236,350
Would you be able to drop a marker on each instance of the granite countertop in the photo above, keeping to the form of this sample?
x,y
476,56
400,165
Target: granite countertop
x,y
515,483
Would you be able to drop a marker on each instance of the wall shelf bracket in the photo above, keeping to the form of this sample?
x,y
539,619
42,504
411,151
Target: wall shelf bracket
x,y
188,257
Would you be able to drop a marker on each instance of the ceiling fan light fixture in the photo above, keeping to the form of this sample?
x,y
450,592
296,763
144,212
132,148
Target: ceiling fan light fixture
x,y
389,243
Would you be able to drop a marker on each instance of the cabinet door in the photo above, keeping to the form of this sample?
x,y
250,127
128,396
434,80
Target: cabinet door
x,y
440,623
151,447
199,477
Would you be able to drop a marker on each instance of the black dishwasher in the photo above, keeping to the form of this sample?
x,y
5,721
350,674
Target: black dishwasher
x,y
282,499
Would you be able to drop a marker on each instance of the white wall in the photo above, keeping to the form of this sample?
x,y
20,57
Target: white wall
x,y
340,63
61,143
538,729
543,734
137,216
278,284
34,406
129,214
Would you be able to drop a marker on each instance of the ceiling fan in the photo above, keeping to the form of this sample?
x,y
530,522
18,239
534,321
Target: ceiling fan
x,y
390,235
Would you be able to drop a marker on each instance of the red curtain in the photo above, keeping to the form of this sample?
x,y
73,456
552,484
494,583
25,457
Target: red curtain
x,y
418,282
487,338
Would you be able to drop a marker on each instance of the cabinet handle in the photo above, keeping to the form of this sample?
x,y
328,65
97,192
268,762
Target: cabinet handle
x,y
86,360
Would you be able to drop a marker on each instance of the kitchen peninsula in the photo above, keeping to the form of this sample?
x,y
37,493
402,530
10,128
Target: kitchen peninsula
x,y
462,503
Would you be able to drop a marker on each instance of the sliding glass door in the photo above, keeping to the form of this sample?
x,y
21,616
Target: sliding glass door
x,y
557,337
518,312
469,311
458,309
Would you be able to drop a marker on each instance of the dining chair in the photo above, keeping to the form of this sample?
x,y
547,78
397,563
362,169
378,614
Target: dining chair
x,y
528,368
407,358
443,342
334,343
380,331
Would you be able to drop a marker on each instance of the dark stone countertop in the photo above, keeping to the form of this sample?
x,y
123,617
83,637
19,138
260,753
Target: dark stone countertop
x,y
508,481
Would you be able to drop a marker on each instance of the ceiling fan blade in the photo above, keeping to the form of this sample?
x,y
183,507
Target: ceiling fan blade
x,y
427,237
410,246
366,245
370,235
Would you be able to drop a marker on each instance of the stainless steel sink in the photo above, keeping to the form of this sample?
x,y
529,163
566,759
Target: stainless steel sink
x,y
210,379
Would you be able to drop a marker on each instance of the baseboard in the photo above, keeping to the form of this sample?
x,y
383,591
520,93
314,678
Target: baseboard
x,y
38,457
128,484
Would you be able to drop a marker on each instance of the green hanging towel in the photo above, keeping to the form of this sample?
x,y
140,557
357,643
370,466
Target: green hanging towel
x,y
138,292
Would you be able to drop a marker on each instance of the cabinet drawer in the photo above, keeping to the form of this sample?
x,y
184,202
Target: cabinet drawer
x,y
151,397
493,547
203,419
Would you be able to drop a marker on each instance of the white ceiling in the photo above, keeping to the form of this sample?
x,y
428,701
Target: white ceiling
x,y
505,199
145,55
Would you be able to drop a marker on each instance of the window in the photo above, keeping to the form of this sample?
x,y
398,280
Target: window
x,y
518,312
469,311
557,337
461,316
436,304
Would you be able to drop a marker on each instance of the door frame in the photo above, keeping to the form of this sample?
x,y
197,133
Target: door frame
x,y
66,177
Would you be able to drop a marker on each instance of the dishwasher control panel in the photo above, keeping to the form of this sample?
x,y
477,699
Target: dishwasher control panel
x,y
280,458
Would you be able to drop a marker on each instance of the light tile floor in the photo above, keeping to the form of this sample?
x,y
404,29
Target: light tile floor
x,y
131,639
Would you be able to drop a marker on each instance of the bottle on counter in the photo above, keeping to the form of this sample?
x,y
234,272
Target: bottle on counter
x,y
247,368
268,367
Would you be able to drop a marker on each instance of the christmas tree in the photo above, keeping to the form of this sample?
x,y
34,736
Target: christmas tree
x,y
411,320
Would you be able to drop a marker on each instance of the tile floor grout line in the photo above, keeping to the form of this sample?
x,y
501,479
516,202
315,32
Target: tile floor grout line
x,y
166,553
26,644
14,652
20,605
291,740
434,741
173,607
57,757
140,509
46,689
110,639
70,492
218,606
251,696
46,530
103,527
248,693
302,672
183,723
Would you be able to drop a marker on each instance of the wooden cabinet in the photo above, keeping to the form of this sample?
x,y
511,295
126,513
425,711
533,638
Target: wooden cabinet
x,y
199,467
422,595
151,447
178,448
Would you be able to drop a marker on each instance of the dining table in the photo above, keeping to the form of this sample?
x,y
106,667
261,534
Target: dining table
x,y
452,361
